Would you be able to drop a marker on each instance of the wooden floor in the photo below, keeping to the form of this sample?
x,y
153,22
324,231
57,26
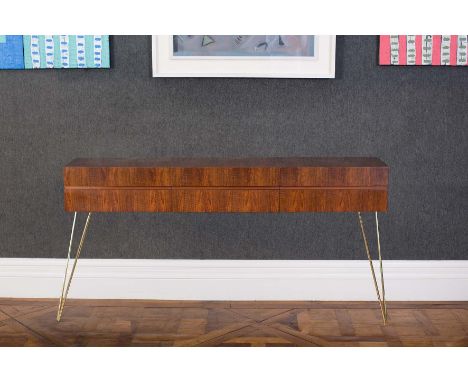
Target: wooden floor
x,y
177,323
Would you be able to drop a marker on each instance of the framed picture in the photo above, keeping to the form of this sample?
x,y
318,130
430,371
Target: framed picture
x,y
54,51
429,50
281,56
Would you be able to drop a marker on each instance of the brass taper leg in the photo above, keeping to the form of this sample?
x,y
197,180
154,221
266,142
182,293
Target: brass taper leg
x,y
382,302
64,294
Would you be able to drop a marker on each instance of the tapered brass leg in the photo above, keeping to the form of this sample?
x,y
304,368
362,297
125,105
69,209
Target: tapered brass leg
x,y
66,267
381,265
382,302
64,294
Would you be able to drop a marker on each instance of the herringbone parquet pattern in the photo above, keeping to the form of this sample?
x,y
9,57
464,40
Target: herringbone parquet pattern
x,y
177,323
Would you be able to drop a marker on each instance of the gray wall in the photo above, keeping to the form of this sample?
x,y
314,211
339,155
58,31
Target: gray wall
x,y
413,118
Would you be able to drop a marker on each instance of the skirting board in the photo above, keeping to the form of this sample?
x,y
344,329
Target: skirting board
x,y
234,279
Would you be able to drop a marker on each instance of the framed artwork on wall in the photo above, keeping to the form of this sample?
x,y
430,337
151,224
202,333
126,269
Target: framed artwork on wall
x,y
435,50
11,52
281,56
66,51
54,52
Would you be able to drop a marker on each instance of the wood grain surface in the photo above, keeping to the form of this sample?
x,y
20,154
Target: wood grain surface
x,y
225,200
333,199
226,185
118,200
224,323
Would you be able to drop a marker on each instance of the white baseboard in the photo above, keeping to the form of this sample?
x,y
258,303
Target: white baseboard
x,y
234,279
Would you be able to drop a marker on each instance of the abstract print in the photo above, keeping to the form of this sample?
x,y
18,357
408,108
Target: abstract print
x,y
11,52
66,51
244,45
450,50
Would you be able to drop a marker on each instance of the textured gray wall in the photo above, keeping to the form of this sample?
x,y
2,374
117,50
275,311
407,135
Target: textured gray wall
x,y
413,118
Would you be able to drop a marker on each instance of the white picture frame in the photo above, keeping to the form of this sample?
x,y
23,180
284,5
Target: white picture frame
x,y
322,65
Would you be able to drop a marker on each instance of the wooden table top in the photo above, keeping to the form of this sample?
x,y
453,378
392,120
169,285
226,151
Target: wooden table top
x,y
293,184
230,162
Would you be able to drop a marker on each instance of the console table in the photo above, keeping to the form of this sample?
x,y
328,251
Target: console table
x,y
266,185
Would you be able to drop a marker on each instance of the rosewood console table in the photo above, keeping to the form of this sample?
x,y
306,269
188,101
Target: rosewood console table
x,y
226,185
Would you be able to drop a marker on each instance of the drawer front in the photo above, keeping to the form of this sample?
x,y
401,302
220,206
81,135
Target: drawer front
x,y
117,200
225,200
334,177
226,177
117,177
333,200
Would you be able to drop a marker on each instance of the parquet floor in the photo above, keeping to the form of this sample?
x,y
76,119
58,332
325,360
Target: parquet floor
x,y
189,323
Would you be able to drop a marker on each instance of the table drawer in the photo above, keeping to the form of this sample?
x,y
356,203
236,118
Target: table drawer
x,y
118,200
334,177
225,200
117,177
333,200
225,177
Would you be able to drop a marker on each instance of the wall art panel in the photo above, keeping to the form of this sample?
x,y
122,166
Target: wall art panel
x,y
449,50
11,52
